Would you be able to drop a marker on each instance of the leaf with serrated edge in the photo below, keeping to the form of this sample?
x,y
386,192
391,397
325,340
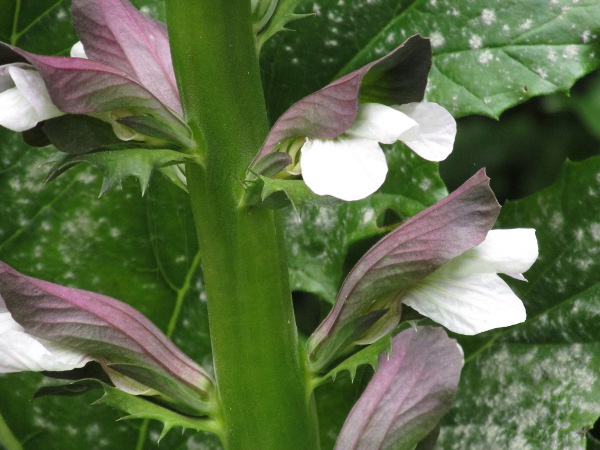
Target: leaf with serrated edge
x,y
137,407
368,355
118,165
284,14
487,55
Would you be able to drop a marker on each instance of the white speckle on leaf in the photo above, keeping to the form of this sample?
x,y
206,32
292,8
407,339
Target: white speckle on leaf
x,y
485,57
595,231
570,52
425,184
335,18
475,42
552,55
488,16
556,221
87,177
587,36
526,25
368,216
61,15
437,39
543,73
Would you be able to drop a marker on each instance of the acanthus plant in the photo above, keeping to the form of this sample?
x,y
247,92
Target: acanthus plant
x,y
116,104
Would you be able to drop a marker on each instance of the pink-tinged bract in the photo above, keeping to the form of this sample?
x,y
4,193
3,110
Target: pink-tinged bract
x,y
107,331
412,389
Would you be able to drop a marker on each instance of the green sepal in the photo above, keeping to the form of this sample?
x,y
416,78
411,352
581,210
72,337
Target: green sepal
x,y
137,407
368,355
295,192
284,14
117,165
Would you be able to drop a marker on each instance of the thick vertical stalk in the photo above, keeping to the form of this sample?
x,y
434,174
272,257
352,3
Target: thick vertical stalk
x,y
260,378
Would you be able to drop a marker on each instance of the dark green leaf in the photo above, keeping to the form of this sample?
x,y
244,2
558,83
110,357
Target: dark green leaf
x,y
488,55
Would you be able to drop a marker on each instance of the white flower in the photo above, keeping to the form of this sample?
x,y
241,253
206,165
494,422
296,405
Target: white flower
x,y
353,166
467,296
21,352
24,99
77,51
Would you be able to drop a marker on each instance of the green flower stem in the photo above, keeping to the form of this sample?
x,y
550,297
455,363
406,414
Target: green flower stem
x,y
261,381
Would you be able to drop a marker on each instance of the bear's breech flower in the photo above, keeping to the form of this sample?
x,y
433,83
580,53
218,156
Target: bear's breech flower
x,y
48,327
443,262
333,135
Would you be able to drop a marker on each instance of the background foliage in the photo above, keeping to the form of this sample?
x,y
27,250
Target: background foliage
x,y
532,386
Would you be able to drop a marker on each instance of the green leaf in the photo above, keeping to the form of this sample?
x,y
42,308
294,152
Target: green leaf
x,y
117,165
537,385
336,237
488,55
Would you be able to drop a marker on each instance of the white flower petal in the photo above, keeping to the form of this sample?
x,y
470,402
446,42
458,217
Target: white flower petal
x,y
21,352
31,85
16,113
77,51
349,169
504,251
467,305
383,124
437,130
6,81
